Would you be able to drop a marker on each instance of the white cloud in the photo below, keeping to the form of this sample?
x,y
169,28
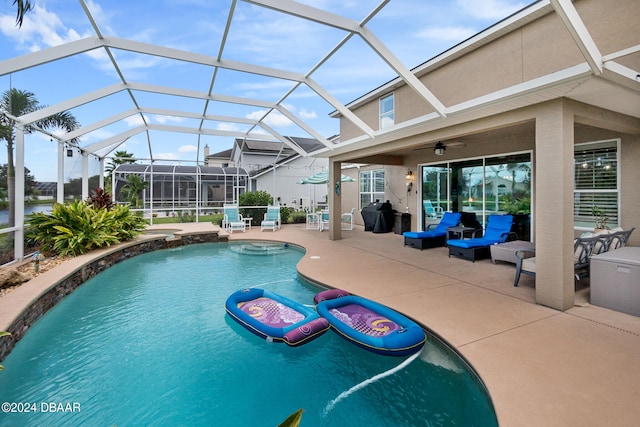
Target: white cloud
x,y
166,156
490,9
275,118
40,29
305,114
168,119
135,120
187,149
231,127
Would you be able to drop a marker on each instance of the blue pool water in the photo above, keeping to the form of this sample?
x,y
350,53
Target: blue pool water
x,y
147,342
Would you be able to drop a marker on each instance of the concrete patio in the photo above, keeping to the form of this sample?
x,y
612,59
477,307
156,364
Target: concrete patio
x,y
542,367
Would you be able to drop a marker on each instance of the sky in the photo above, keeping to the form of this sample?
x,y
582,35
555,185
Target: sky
x,y
414,31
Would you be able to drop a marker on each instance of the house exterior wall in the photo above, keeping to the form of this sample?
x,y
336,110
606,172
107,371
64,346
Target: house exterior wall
x,y
283,182
541,47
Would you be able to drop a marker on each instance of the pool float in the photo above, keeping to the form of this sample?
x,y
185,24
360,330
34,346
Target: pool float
x,y
274,317
370,325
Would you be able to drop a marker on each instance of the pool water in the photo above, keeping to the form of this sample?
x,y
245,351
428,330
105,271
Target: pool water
x,y
147,342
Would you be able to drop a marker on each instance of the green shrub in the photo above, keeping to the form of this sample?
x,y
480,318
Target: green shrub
x,y
76,228
298,217
285,214
255,198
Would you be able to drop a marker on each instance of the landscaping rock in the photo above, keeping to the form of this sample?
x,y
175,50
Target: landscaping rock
x,y
11,277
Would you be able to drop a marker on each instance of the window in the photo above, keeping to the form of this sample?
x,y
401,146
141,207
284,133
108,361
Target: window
x,y
595,183
387,111
371,186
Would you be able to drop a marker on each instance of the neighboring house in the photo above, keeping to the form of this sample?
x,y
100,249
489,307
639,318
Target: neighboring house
x,y
276,168
178,188
549,97
46,190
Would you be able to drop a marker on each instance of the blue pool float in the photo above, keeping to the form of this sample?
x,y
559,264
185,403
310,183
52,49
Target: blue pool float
x,y
274,317
370,325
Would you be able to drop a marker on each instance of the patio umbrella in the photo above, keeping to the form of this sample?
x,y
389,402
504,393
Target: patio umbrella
x,y
323,178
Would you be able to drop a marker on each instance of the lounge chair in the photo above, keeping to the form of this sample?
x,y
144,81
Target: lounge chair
x,y
346,219
271,219
498,231
435,234
232,219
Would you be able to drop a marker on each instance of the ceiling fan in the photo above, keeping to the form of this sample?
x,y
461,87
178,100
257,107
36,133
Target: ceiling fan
x,y
441,146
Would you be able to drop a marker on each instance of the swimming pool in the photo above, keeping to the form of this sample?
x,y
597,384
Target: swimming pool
x,y
147,342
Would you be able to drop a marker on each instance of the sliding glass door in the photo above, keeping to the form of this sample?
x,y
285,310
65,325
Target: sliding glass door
x,y
483,186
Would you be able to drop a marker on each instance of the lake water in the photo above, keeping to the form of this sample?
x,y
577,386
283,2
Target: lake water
x,y
4,213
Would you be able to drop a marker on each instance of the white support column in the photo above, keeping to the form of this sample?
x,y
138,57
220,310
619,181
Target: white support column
x,y
101,174
85,175
60,183
335,200
18,244
554,206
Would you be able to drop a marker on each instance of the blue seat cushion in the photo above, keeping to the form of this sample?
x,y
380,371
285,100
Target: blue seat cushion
x,y
471,243
422,234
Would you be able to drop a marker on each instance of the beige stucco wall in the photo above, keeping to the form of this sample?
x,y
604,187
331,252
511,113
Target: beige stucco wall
x,y
542,47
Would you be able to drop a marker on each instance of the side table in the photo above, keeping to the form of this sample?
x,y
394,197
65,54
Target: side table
x,y
459,232
247,221
507,251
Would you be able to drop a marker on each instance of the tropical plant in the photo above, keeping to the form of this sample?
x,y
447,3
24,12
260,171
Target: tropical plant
x,y
132,188
516,206
23,6
600,218
15,103
76,228
119,158
100,199
292,420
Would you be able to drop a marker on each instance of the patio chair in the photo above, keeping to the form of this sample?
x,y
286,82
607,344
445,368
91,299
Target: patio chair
x,y
271,219
617,238
232,219
313,221
498,231
346,220
435,234
324,220
583,248
431,211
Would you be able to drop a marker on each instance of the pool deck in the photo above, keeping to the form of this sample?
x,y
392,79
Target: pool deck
x,y
542,367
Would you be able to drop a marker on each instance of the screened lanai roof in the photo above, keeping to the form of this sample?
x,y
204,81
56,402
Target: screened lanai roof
x,y
202,171
198,73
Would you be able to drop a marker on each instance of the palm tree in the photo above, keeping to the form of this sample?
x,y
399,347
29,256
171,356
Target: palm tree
x,y
23,6
132,189
119,158
15,103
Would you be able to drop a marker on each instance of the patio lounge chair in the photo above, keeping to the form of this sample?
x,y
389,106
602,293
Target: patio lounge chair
x,y
435,234
346,219
271,219
498,231
232,219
